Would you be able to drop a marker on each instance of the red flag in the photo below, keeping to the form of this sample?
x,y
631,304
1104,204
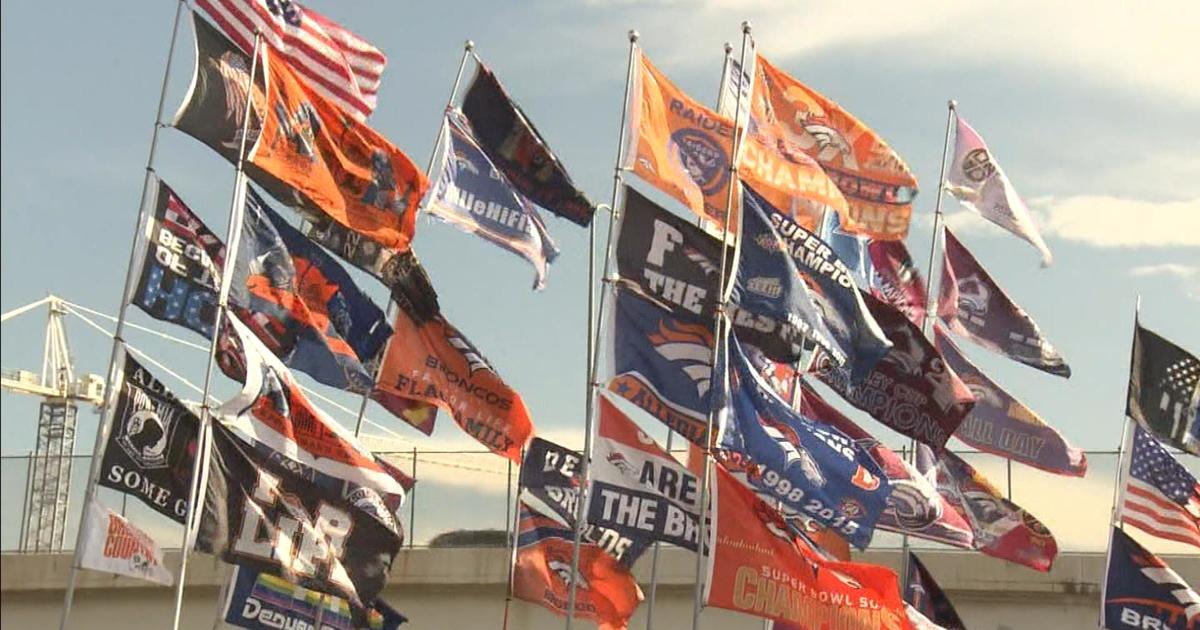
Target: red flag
x,y
896,279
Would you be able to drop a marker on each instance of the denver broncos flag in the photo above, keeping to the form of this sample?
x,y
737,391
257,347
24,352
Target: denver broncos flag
x,y
1141,591
301,148
605,591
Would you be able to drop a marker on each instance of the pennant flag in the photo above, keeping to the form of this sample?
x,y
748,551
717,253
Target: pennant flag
x,y
152,445
760,569
911,390
605,590
679,145
474,196
302,304
435,363
1002,528
314,536
1141,591
114,545
853,328
974,306
978,182
1001,425
302,148
663,364
517,149
1160,496
1164,390
924,594
792,121
812,468
261,601
331,61
896,280
550,480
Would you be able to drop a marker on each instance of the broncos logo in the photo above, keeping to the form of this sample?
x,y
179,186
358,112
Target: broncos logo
x,y
563,571
464,163
794,453
474,358
622,464
690,344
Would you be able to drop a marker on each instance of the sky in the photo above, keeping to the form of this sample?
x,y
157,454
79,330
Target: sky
x,y
1091,108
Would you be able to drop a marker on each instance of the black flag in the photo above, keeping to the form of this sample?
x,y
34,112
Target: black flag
x,y
924,594
1164,390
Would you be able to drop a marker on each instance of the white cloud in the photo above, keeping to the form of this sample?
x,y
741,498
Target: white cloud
x,y
1188,275
1103,221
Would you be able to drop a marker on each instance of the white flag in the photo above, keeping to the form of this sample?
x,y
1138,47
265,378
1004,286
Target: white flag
x,y
114,545
980,184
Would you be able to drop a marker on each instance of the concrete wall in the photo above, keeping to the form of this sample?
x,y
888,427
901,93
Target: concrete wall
x,y
463,589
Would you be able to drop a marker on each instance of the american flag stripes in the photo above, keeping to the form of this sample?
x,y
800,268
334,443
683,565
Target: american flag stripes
x,y
1160,496
334,62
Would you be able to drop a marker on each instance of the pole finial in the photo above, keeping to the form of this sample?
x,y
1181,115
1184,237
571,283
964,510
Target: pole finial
x,y
633,35
746,27
952,104
469,45
728,48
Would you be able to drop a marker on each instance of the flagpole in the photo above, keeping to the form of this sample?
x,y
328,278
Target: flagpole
x,y
1119,489
102,429
233,236
718,333
512,551
468,51
595,312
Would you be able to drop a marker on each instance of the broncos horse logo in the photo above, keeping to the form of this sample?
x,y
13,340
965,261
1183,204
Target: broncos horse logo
x,y
689,345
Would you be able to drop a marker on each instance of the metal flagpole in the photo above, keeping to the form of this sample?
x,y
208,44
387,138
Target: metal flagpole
x,y
233,236
468,51
515,514
593,333
718,332
102,429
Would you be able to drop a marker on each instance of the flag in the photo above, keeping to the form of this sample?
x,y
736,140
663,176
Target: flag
x,y
261,601
302,304
663,364
331,61
605,591
924,594
978,182
757,567
679,145
974,306
435,363
911,390
638,489
1002,528
1160,496
792,120
1000,424
517,149
853,328
896,280
152,444
1164,390
1142,591
114,545
302,148
550,480
476,197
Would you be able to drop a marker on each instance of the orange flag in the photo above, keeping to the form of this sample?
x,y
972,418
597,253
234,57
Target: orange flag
x,y
679,145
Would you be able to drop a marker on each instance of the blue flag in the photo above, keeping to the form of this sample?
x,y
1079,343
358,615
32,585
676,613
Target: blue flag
x,y
1141,591
854,330
476,197
810,467
302,304
261,601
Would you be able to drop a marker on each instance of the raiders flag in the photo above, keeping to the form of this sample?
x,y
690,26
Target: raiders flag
x,y
260,514
151,448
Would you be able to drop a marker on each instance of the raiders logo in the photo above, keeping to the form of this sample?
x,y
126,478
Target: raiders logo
x,y
705,161
977,165
145,435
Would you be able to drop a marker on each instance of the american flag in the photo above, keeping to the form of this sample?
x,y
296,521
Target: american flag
x,y
1161,497
334,62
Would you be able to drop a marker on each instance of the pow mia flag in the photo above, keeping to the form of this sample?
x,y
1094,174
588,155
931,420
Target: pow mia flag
x,y
151,448
1164,390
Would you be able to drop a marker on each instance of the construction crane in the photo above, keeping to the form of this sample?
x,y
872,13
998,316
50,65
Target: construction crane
x,y
49,475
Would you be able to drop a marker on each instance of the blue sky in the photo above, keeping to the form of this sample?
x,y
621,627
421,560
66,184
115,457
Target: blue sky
x,y
1091,108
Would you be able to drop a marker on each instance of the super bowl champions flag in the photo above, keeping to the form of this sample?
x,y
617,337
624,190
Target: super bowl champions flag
x,y
261,601
114,545
303,149
976,180
515,147
814,469
476,197
1164,390
972,305
261,514
152,445
924,594
758,568
1142,591
911,390
1000,424
606,591
1159,495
